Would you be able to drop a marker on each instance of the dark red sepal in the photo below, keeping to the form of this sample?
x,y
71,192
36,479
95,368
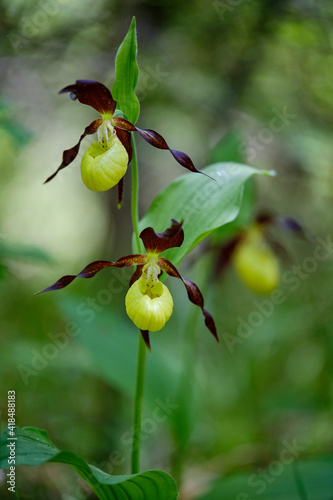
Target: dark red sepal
x,y
285,223
125,138
193,293
69,155
94,267
123,124
225,255
156,243
156,140
264,218
92,93
145,336
153,138
136,275
279,249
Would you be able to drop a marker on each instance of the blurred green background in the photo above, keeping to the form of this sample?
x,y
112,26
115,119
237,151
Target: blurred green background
x,y
246,81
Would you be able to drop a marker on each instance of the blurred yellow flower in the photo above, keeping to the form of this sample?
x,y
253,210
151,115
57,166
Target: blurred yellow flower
x,y
255,262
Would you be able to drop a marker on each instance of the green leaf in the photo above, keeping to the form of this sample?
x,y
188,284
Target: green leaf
x,y
278,481
127,73
34,447
245,217
19,252
203,203
12,126
229,148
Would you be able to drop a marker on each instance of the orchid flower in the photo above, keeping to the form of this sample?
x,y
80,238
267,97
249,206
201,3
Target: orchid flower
x,y
253,253
105,162
148,301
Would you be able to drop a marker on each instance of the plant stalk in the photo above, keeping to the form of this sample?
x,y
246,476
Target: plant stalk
x,y
135,198
139,388
141,360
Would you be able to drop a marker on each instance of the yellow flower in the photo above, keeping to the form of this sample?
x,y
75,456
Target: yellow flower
x,y
105,162
253,251
148,301
149,308
255,262
102,167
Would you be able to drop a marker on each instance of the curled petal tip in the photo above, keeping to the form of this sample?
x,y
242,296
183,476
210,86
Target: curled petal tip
x,y
69,88
157,141
70,154
193,293
94,267
50,178
209,177
210,323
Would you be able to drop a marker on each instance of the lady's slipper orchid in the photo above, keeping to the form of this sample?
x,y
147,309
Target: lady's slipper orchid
x,y
253,253
105,162
255,262
148,301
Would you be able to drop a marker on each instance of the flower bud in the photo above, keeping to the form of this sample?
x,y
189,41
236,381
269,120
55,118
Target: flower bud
x,y
103,167
149,308
256,264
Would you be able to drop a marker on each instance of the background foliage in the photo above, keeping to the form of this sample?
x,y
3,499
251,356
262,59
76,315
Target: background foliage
x,y
223,81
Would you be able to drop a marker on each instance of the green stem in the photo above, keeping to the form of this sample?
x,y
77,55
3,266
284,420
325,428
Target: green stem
x,y
135,197
139,388
141,362
299,482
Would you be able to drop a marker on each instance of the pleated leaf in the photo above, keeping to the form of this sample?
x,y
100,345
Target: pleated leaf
x,y
34,447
